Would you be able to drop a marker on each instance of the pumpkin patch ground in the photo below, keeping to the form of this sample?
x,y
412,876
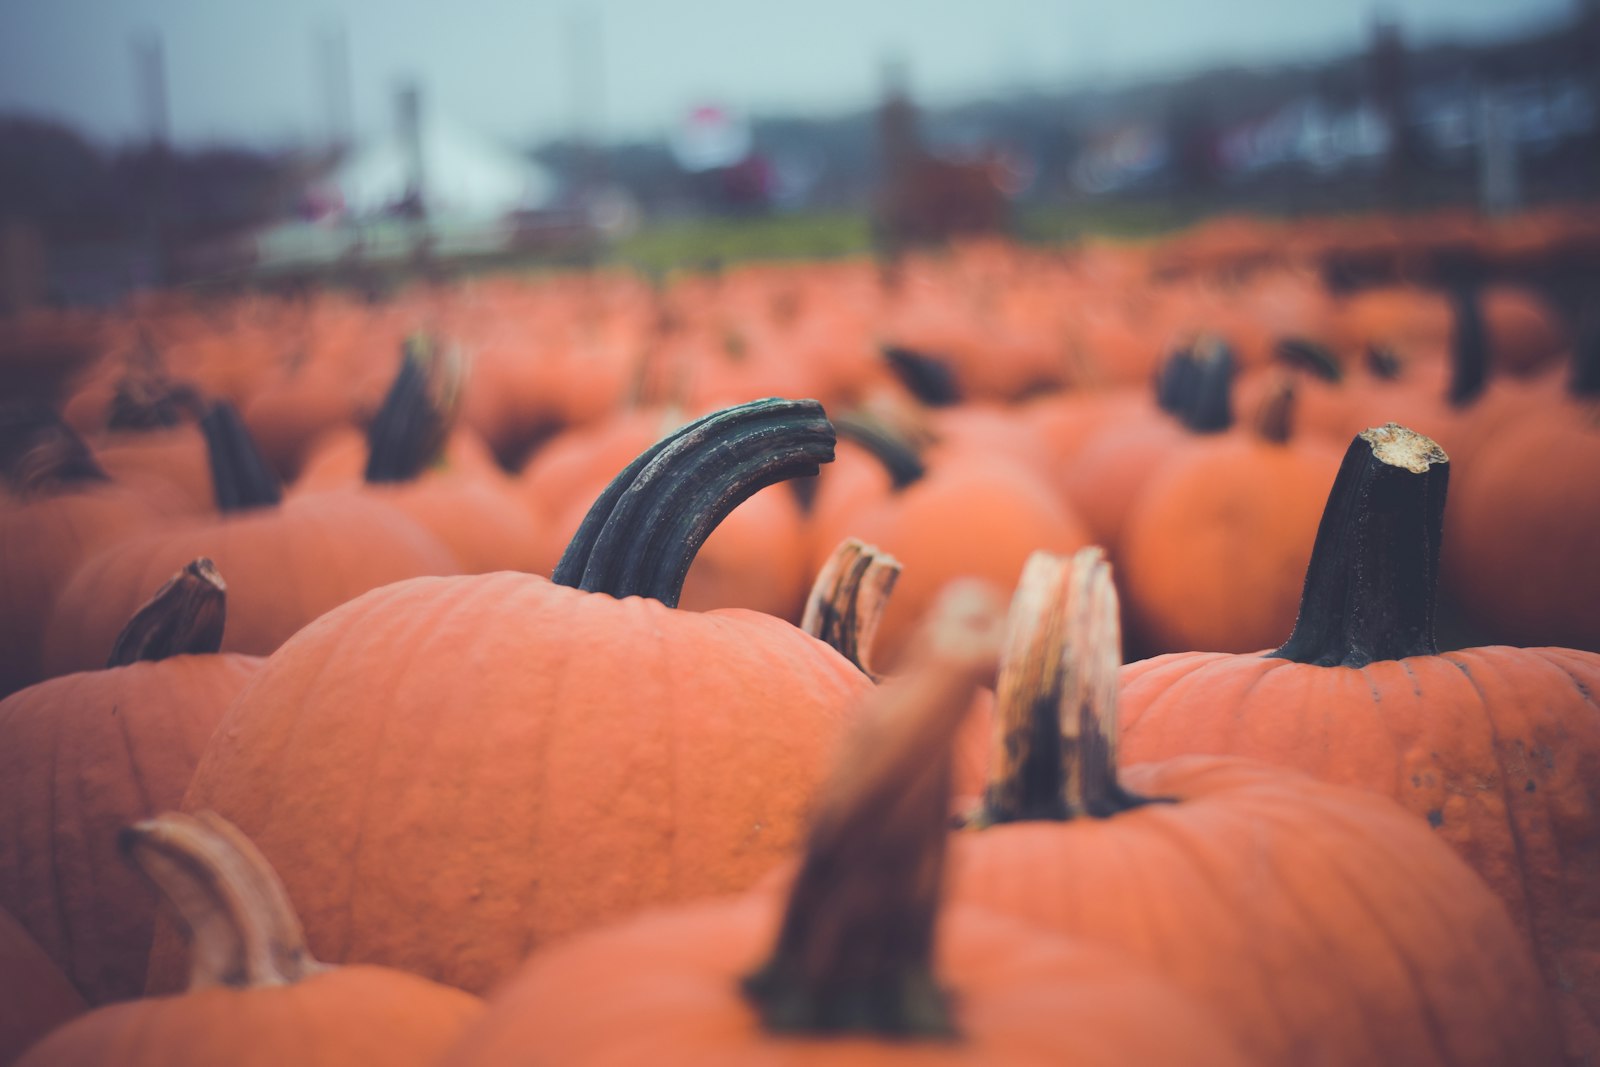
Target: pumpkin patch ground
x,y
430,677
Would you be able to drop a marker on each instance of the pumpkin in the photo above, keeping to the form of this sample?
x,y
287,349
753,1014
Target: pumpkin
x,y
1217,543
1497,748
37,996
58,508
255,994
601,752
851,973
84,754
287,561
1320,924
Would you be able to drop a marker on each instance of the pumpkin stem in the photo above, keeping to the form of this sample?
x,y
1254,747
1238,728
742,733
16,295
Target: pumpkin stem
x,y
148,400
408,433
1383,362
240,477
243,932
640,537
1585,380
928,377
1055,750
1374,574
898,453
1313,357
1469,347
848,600
1274,417
39,453
185,617
1195,386
855,950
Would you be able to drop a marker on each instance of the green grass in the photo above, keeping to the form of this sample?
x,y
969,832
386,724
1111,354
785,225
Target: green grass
x,y
699,242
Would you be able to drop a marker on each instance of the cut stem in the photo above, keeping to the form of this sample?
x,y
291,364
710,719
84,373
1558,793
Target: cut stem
x,y
849,598
1274,417
243,932
1373,581
855,950
184,617
1055,745
240,477
641,536
928,377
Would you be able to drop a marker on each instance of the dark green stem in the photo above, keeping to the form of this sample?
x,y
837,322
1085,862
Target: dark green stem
x,y
39,453
900,458
1469,346
240,477
1195,386
1372,583
408,433
642,534
928,377
1310,356
185,617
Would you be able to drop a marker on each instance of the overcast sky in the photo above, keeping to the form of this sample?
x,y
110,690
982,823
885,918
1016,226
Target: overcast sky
x,y
247,71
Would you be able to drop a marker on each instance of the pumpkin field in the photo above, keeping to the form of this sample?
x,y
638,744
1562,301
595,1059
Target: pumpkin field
x,y
1178,651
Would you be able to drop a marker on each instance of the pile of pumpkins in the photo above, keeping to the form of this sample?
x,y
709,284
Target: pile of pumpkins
x,y
540,665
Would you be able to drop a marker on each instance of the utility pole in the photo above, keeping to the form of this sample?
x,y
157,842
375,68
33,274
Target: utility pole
x,y
150,78
333,63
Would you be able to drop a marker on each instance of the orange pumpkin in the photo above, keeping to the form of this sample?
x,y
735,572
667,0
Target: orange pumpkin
x,y
1498,748
255,995
851,974
1319,924
603,751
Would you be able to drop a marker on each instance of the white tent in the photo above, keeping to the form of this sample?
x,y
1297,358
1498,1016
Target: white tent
x,y
464,176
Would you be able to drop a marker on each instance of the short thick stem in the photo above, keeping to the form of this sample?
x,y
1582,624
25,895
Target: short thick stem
x,y
185,617
1195,386
642,534
408,433
39,453
1056,703
1469,347
849,598
243,932
1273,421
1372,583
855,949
240,477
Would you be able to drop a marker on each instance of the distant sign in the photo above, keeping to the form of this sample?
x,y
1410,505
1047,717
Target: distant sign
x,y
710,138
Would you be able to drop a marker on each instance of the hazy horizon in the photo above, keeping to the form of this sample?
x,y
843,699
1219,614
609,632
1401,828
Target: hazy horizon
x,y
252,75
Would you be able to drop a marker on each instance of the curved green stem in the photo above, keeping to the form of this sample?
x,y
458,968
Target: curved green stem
x,y
642,534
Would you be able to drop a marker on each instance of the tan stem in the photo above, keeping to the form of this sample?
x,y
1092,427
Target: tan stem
x,y
849,598
184,617
1056,702
243,932
1274,416
855,951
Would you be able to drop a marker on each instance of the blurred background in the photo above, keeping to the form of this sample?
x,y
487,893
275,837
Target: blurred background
x,y
172,141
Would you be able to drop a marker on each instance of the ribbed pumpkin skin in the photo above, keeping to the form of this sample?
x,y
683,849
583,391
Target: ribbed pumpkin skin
x,y
82,756
1322,925
36,995
517,760
664,990
1498,747
284,566
351,1015
42,542
1216,548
